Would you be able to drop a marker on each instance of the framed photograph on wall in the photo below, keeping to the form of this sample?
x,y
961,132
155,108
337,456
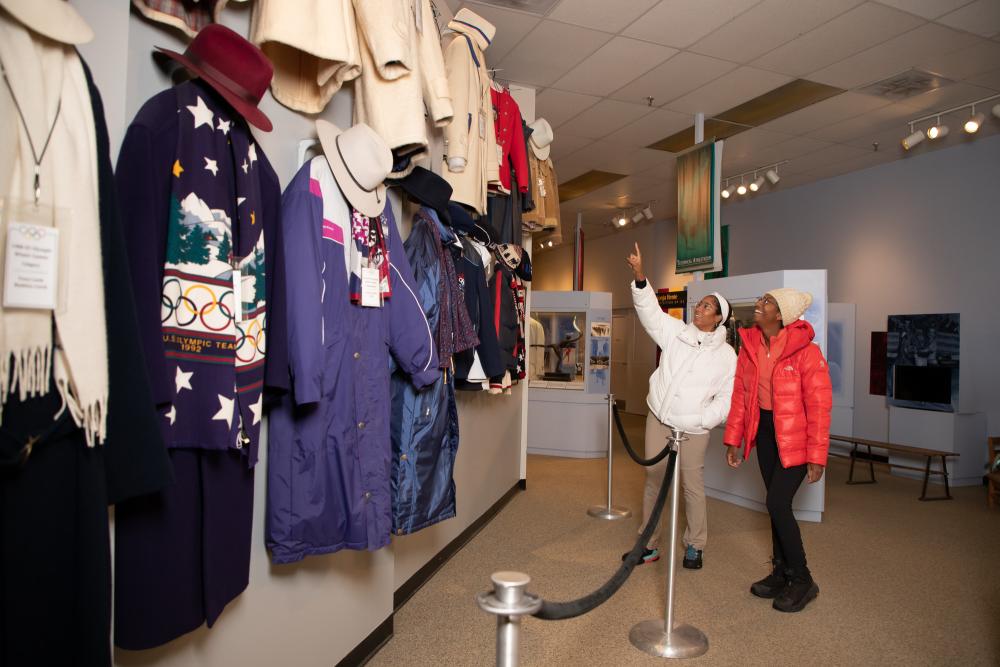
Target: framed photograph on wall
x,y
923,362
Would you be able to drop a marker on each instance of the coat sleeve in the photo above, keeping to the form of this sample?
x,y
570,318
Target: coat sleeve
x,y
300,217
459,70
662,328
718,408
736,421
817,398
519,154
489,345
437,96
143,185
385,26
410,337
276,378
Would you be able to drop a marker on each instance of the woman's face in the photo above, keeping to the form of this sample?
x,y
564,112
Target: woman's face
x,y
706,314
765,311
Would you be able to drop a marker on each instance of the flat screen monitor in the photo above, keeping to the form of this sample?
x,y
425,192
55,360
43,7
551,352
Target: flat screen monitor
x,y
926,384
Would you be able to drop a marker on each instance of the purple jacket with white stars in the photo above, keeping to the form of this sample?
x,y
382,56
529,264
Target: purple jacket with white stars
x,y
201,212
329,441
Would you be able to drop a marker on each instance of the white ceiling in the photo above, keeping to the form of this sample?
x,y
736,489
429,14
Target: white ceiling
x,y
594,63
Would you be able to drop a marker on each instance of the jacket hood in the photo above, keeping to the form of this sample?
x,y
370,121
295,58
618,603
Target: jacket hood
x,y
690,336
798,334
474,26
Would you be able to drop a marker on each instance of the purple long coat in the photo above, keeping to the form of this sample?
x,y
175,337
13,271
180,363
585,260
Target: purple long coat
x,y
329,443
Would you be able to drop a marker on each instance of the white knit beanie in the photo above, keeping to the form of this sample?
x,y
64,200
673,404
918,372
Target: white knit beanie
x,y
791,302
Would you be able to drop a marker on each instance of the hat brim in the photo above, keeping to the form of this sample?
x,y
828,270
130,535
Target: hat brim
x,y
371,203
540,153
55,19
250,112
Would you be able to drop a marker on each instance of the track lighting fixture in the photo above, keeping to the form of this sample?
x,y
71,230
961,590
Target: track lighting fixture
x,y
772,176
913,139
648,212
975,121
637,217
938,130
549,244
756,182
622,221
742,189
726,191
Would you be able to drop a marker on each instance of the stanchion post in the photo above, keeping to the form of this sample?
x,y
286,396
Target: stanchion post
x,y
609,512
662,637
509,601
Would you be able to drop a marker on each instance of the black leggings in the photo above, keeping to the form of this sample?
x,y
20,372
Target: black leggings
x,y
781,484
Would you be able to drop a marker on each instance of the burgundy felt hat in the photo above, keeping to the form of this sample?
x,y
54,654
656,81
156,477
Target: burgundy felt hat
x,y
234,67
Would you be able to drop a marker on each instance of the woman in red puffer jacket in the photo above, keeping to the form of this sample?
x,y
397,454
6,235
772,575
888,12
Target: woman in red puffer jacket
x,y
781,404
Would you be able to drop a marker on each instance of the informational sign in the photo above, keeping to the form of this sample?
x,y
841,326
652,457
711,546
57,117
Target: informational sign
x,y
699,237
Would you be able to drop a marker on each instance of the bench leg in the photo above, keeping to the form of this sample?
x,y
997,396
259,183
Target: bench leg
x,y
944,470
871,467
927,474
871,464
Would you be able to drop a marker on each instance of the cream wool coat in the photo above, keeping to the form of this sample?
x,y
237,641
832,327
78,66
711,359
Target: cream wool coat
x,y
313,45
402,71
692,387
470,135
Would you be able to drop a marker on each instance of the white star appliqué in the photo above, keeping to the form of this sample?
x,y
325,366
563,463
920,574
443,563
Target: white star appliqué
x,y
202,114
240,200
224,126
172,415
212,166
252,154
245,166
182,379
225,412
256,408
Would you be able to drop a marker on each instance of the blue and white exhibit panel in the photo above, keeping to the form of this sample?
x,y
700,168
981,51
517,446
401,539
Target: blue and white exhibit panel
x,y
569,373
744,486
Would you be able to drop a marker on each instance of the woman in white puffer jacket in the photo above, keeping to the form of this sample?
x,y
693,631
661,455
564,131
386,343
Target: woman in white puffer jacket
x,y
689,390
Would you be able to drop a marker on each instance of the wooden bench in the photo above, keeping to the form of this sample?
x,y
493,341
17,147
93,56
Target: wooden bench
x,y
902,449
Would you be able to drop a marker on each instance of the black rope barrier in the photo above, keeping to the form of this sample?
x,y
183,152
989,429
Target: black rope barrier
x,y
558,611
628,446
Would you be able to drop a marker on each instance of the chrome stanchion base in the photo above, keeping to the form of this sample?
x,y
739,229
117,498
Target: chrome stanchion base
x,y
684,641
610,513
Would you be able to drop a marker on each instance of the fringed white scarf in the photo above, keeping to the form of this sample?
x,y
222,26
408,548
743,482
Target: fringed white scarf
x,y
41,72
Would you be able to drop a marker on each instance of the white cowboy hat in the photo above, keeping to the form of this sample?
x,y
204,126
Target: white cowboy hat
x,y
360,161
55,19
541,138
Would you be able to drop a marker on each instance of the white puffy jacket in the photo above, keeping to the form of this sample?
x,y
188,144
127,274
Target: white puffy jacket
x,y
692,386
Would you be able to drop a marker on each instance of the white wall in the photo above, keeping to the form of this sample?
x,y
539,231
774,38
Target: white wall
x,y
320,609
919,235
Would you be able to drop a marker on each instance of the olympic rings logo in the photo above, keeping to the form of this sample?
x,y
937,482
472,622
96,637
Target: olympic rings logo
x,y
198,306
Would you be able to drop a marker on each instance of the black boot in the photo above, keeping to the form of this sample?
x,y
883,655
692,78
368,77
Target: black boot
x,y
799,592
771,585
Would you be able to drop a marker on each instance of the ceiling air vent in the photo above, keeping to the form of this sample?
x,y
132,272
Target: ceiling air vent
x,y
906,85
539,7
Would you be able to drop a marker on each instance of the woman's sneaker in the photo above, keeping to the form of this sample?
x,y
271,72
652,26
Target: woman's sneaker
x,y
771,585
692,558
648,556
799,592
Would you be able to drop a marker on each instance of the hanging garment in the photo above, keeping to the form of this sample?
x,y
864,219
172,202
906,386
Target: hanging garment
x,y
402,71
511,148
545,194
486,356
201,202
188,16
329,442
55,556
471,159
313,45
425,422
527,200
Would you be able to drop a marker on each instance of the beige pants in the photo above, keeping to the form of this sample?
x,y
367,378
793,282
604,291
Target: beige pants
x,y
692,463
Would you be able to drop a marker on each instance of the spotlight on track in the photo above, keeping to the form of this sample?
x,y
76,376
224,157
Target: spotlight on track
x,y
756,183
772,176
996,110
937,130
637,217
648,212
622,221
913,139
742,189
726,191
975,122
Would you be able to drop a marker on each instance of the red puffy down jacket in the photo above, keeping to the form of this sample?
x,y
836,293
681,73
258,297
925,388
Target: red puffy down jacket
x,y
801,397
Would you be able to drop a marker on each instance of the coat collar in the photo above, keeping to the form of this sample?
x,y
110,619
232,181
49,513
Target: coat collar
x,y
690,336
798,334
475,27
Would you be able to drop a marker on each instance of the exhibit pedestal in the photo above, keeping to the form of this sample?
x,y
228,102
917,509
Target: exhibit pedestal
x,y
964,434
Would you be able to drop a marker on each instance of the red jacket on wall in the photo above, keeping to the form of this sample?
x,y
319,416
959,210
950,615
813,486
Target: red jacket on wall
x,y
801,397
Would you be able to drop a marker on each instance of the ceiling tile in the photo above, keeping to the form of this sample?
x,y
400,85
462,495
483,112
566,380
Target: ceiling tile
x,y
728,91
604,118
567,169
828,155
678,76
929,9
617,61
982,57
988,80
680,23
511,28
864,127
767,26
650,128
858,29
745,148
827,112
601,14
981,17
549,51
565,144
618,159
557,106
948,96
790,150
894,56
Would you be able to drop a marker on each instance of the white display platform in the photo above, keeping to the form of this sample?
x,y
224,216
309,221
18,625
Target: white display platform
x,y
964,434
744,486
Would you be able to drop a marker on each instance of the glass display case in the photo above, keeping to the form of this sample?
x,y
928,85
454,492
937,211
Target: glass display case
x,y
558,349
